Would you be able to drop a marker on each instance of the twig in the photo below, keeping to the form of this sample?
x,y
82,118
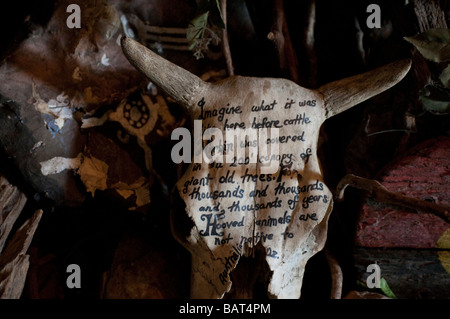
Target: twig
x,y
380,194
14,262
280,36
12,202
309,44
336,276
225,43
429,15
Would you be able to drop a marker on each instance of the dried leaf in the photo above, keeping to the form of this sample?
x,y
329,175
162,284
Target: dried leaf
x,y
444,257
196,29
444,241
209,13
433,44
435,99
364,295
445,77
14,262
385,289
93,173
58,164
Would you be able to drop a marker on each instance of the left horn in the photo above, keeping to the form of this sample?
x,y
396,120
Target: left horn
x,y
178,83
346,93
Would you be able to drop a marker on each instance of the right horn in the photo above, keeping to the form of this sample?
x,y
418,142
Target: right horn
x,y
346,93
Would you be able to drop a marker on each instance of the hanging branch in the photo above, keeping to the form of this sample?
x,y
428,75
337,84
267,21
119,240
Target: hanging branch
x,y
280,37
380,194
310,44
225,43
336,275
429,15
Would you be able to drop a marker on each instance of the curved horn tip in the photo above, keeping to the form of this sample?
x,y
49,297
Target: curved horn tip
x,y
345,93
123,40
131,49
403,66
126,42
178,83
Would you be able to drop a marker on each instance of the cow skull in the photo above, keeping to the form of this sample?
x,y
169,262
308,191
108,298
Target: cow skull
x,y
235,206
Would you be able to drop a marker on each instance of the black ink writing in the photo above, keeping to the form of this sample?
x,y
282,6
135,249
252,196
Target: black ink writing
x,y
305,217
266,123
230,263
222,241
297,189
237,207
262,107
288,104
219,112
272,253
300,119
305,156
283,158
238,192
204,181
273,222
314,198
311,103
259,192
287,234
227,178
256,238
214,224
234,125
247,143
215,208
287,138
248,177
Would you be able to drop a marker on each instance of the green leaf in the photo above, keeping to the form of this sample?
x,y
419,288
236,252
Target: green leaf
x,y
197,28
385,289
433,44
445,77
361,284
435,99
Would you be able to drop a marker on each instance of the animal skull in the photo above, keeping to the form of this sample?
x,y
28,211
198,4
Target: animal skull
x,y
234,206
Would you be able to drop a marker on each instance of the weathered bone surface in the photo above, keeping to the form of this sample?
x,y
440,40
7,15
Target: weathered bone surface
x,y
234,206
